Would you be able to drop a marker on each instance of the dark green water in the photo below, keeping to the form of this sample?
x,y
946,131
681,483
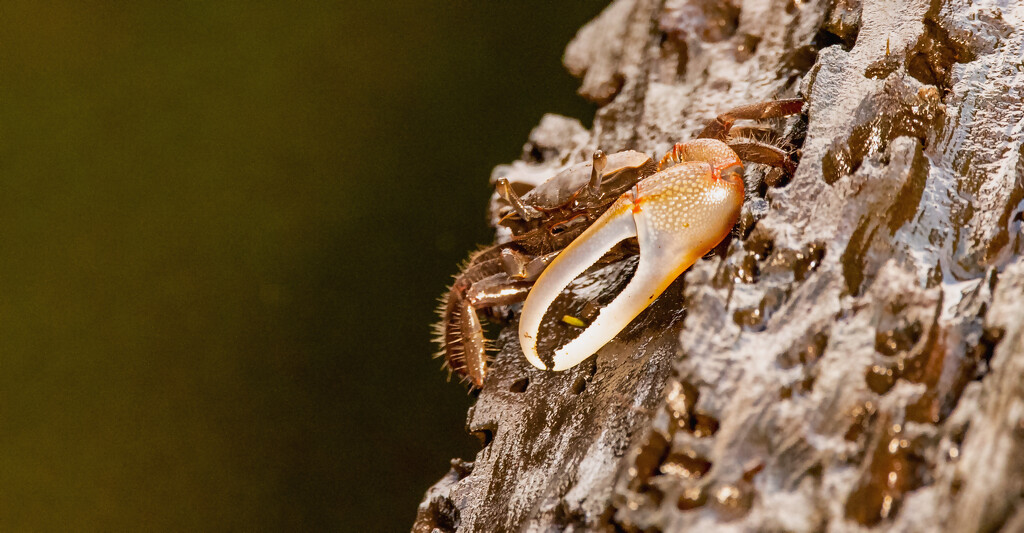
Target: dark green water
x,y
223,229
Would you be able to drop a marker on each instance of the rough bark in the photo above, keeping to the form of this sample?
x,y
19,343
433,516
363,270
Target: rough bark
x,y
853,358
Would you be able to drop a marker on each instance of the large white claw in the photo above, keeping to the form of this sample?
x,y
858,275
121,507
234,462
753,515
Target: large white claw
x,y
605,233
677,216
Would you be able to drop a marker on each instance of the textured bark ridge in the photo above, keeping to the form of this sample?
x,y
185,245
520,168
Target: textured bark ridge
x,y
853,358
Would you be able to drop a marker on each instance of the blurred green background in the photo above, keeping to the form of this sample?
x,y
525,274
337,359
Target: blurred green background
x,y
223,228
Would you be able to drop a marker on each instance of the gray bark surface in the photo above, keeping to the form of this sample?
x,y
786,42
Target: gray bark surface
x,y
852,359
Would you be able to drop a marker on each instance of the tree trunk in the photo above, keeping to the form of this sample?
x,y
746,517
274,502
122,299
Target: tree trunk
x,y
853,358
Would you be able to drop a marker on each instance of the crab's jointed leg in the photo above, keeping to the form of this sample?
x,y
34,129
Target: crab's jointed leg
x,y
746,147
491,282
677,216
719,128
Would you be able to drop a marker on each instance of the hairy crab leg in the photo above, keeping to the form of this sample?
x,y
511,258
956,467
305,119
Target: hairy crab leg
x,y
490,282
463,334
766,154
677,216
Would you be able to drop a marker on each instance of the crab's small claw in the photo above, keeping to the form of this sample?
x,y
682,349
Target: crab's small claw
x,y
677,216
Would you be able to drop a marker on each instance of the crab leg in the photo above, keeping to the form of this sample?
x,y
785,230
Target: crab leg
x,y
719,128
461,332
677,216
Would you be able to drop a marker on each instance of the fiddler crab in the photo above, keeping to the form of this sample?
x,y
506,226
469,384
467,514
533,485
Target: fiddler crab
x,y
677,211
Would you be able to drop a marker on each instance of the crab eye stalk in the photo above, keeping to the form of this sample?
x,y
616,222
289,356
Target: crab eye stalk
x,y
597,173
504,189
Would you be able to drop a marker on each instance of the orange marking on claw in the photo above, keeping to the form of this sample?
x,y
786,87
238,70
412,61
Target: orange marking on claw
x,y
716,171
637,199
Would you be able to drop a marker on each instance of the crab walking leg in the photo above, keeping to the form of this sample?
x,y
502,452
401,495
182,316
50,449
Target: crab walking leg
x,y
611,228
719,128
677,215
467,329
